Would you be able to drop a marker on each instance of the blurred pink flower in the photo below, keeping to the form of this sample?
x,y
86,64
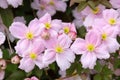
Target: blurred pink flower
x,y
32,78
15,3
115,3
90,48
48,6
20,19
60,52
2,74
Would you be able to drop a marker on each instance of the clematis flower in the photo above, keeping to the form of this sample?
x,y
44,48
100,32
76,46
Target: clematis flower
x,y
32,78
27,35
91,15
69,29
110,18
60,52
33,56
108,37
48,6
4,3
90,48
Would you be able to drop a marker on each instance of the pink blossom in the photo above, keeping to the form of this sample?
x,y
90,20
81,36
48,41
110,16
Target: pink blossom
x,y
32,78
108,37
33,56
60,52
115,3
90,48
91,15
15,3
2,74
110,18
2,38
27,35
48,6
19,19
3,4
69,29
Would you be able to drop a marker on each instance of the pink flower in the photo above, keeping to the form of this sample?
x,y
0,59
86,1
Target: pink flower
x,y
15,3
91,15
108,37
48,6
19,19
2,38
27,35
2,74
3,4
90,48
33,56
32,78
69,29
60,52
110,18
115,3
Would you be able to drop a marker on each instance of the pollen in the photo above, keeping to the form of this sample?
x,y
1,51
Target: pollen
x,y
112,21
47,25
59,49
33,56
29,35
66,30
104,36
96,11
90,47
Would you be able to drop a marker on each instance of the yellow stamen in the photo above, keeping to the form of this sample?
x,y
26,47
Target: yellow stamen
x,y
97,10
47,25
51,2
112,21
33,55
66,30
104,36
29,35
59,49
90,47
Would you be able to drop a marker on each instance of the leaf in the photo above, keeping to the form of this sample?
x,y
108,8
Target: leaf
x,y
106,3
17,75
98,67
7,16
97,77
92,5
82,5
75,1
79,68
71,69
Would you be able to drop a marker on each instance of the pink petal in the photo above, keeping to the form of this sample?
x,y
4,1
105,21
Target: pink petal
x,y
26,64
78,46
92,37
46,18
18,30
2,38
62,62
60,6
3,4
2,74
64,41
49,56
88,60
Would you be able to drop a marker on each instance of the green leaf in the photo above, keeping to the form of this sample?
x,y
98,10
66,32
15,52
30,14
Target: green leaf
x,y
18,75
97,77
92,5
7,16
106,71
106,3
79,68
82,5
11,67
6,54
98,67
71,69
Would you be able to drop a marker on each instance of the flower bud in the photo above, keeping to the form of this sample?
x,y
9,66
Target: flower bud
x,y
15,60
45,35
32,78
2,64
72,35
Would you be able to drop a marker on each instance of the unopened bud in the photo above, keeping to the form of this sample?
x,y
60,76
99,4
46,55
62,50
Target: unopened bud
x,y
15,60
72,35
2,64
45,35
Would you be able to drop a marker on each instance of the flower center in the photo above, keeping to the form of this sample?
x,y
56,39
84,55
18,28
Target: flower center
x,y
33,56
42,7
104,36
90,47
51,2
47,25
59,49
112,21
29,35
66,30
97,10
